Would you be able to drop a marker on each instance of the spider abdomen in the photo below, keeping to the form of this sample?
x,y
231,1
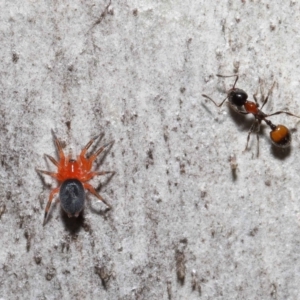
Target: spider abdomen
x,y
72,196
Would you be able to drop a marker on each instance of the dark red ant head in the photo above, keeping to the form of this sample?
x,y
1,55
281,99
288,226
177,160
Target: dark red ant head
x,y
237,97
72,195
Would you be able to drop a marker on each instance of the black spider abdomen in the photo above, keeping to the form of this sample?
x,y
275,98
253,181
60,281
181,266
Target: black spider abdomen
x,y
72,196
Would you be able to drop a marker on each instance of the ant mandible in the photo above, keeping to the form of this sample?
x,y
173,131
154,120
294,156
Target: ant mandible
x,y
280,135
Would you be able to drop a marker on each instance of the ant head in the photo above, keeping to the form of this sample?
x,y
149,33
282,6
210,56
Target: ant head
x,y
237,97
71,195
281,136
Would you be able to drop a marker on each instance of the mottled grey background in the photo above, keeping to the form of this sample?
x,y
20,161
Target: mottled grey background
x,y
183,225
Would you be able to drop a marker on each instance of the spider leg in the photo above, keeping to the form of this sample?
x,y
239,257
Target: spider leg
x,y
85,149
94,156
93,191
53,192
93,174
52,160
52,174
60,150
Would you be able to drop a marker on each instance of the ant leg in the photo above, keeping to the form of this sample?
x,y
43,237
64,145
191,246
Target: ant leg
x,y
226,76
218,105
261,94
52,174
237,110
93,174
282,112
233,87
255,99
93,191
257,137
269,93
248,137
53,192
251,130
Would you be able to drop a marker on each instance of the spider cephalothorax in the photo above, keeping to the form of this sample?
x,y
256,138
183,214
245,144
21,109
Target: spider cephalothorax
x,y
72,175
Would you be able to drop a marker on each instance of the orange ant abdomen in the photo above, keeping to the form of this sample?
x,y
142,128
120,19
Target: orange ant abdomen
x,y
281,136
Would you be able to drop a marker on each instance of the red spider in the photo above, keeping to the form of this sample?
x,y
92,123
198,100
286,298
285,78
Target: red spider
x,y
72,176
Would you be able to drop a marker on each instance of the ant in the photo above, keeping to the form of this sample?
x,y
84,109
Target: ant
x,y
280,135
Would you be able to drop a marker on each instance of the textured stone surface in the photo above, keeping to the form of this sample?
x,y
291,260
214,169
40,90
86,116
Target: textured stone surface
x,y
183,225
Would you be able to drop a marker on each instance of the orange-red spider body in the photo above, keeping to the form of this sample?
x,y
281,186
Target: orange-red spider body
x,y
72,176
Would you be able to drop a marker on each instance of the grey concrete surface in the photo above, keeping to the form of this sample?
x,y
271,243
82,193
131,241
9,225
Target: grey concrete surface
x,y
183,225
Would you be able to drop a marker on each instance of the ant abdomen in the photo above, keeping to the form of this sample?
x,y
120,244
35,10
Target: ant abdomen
x,y
281,136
